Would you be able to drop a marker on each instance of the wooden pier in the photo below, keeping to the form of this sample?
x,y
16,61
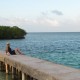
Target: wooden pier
x,y
29,68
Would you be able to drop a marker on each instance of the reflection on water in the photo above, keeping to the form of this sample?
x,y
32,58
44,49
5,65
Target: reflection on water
x,y
10,76
4,76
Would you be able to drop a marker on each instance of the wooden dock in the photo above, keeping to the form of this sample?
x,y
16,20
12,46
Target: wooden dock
x,y
29,68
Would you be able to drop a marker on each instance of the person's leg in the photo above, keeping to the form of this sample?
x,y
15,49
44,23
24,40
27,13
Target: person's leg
x,y
13,52
18,51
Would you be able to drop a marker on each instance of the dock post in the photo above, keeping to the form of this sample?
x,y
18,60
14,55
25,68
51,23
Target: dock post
x,y
13,72
23,76
0,65
10,69
7,68
4,69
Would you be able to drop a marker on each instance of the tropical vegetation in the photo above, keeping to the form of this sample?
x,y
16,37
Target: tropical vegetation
x,y
8,32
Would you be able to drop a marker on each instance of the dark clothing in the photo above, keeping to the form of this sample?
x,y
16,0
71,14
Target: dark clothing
x,y
12,52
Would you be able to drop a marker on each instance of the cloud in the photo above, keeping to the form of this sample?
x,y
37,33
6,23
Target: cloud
x,y
29,22
43,23
57,12
47,22
44,13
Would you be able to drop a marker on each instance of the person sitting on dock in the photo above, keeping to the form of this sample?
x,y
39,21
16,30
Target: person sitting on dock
x,y
9,51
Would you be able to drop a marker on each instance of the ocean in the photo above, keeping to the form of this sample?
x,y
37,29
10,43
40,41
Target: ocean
x,y
58,47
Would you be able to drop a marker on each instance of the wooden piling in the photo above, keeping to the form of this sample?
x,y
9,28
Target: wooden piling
x,y
23,76
7,68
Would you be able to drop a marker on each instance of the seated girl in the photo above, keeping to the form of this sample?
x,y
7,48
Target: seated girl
x,y
9,51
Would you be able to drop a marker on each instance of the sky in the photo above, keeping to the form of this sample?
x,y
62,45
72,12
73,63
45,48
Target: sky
x,y
41,15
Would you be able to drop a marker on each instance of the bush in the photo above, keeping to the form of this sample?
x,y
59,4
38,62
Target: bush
x,y
7,32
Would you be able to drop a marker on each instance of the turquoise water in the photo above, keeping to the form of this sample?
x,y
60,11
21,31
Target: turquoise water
x,y
62,48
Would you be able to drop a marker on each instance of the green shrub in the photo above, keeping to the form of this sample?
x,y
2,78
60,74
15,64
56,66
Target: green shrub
x,y
7,32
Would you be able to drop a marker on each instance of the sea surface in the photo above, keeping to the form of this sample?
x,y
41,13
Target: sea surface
x,y
58,47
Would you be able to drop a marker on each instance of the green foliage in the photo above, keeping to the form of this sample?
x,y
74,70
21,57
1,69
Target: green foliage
x,y
7,32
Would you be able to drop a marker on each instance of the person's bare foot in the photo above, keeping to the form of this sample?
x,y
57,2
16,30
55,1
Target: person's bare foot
x,y
8,54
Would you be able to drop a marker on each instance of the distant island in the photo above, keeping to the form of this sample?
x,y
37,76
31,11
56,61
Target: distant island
x,y
8,32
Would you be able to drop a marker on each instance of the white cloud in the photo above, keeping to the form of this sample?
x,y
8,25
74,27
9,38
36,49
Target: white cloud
x,y
45,24
21,21
48,22
44,13
57,12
